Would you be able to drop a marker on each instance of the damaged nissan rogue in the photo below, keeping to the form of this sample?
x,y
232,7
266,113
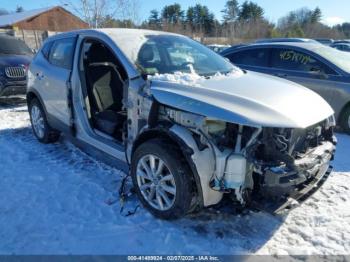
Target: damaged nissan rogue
x,y
191,126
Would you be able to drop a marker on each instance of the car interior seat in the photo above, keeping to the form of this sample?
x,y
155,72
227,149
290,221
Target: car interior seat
x,y
105,90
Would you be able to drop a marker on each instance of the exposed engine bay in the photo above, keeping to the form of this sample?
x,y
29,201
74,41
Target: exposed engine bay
x,y
250,159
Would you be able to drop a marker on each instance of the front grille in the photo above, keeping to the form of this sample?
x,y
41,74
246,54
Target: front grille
x,y
15,72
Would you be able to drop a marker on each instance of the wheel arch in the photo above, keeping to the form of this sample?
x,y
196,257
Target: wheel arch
x,y
344,108
186,151
32,94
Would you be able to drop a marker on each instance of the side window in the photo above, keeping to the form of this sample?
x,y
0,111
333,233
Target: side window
x,y
46,49
289,59
251,57
61,53
346,48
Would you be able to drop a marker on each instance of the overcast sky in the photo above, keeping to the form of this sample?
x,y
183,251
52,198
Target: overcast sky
x,y
334,12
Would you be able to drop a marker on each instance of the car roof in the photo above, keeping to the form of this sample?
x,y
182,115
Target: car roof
x,y
116,32
342,43
308,46
292,40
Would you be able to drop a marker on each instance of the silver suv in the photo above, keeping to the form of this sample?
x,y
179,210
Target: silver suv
x,y
191,126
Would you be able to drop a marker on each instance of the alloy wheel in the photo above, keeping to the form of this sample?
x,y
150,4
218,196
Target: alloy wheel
x,y
38,121
156,182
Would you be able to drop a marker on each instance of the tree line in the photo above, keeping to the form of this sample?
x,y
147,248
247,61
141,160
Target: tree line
x,y
240,22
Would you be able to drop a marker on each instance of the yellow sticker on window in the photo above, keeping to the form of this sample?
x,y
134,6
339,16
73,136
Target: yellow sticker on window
x,y
295,57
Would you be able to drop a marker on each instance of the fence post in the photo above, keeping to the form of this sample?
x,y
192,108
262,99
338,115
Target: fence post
x,y
36,40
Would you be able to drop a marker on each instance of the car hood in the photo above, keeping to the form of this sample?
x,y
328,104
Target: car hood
x,y
246,98
15,60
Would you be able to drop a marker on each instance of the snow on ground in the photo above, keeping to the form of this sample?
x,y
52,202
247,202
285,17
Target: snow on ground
x,y
57,200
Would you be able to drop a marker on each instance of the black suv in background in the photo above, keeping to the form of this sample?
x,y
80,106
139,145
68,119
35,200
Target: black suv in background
x,y
15,57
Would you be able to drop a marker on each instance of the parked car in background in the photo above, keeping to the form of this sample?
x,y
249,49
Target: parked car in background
x,y
15,57
342,46
346,41
291,40
218,48
191,130
323,69
325,41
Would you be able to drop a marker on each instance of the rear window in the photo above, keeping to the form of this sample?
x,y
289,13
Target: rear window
x,y
251,57
13,46
61,53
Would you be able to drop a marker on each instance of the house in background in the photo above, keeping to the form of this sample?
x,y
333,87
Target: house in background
x,y
55,19
34,26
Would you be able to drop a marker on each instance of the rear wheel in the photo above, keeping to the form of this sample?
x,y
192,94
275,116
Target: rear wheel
x,y
345,120
41,128
162,179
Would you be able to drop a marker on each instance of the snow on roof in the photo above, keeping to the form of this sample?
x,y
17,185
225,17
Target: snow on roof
x,y
131,40
10,19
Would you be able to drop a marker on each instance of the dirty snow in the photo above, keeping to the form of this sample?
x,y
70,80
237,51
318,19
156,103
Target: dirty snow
x,y
57,200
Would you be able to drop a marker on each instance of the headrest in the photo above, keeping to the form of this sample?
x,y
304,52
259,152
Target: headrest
x,y
146,54
99,53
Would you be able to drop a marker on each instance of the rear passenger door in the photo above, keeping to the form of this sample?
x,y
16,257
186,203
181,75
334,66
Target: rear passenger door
x,y
56,78
253,59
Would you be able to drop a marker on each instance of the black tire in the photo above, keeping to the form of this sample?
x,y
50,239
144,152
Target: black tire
x,y
345,120
49,134
182,174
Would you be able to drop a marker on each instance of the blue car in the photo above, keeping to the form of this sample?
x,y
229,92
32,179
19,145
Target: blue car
x,y
323,69
15,57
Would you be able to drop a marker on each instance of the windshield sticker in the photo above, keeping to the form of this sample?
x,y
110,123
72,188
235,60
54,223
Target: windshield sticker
x,y
295,57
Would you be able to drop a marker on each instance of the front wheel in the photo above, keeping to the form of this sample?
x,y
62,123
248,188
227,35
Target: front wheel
x,y
162,179
41,128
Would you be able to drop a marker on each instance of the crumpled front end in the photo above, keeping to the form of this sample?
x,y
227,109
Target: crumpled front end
x,y
244,161
291,163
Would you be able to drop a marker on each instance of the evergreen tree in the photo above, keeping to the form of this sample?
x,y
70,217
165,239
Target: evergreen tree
x,y
251,11
173,14
200,19
154,19
316,15
231,11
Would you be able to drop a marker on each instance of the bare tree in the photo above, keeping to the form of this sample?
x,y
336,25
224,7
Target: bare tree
x,y
128,10
94,12
91,11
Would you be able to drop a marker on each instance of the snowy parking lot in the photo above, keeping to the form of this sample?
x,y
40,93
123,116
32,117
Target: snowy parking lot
x,y
57,200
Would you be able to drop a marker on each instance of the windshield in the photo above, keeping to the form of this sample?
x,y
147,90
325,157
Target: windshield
x,y
339,58
13,46
167,54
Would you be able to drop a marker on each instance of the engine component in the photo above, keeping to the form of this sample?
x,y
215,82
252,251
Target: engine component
x,y
235,172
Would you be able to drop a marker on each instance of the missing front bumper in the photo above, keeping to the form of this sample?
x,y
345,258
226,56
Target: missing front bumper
x,y
306,168
289,188
305,190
